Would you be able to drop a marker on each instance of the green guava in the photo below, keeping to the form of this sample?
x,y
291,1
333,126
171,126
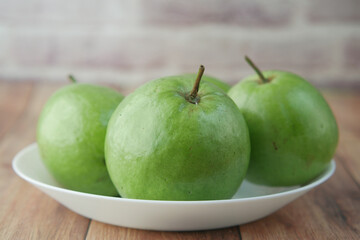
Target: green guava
x,y
71,133
293,131
169,140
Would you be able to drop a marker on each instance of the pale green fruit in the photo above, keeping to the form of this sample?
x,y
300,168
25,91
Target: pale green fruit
x,y
292,129
71,134
162,146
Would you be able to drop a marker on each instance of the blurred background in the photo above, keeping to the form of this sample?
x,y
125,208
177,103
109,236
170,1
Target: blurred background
x,y
129,42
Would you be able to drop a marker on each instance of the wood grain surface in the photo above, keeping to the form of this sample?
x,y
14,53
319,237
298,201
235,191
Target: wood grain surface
x,y
331,211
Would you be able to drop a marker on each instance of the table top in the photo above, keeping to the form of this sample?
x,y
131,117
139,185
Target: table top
x,y
331,211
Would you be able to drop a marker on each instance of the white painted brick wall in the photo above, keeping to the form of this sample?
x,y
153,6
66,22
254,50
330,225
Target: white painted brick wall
x,y
129,42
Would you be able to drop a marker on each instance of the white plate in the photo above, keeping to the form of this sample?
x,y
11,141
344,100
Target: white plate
x,y
250,203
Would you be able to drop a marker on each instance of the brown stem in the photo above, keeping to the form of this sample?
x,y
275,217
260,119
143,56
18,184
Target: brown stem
x,y
72,79
257,70
195,89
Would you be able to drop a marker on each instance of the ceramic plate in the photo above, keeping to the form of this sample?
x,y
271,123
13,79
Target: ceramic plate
x,y
250,203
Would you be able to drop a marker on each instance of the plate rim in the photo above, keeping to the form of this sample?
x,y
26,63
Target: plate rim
x,y
321,179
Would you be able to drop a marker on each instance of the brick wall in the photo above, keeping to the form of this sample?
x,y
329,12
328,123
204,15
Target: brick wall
x,y
133,41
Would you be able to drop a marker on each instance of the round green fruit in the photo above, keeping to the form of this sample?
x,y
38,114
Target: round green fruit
x,y
292,129
168,141
71,134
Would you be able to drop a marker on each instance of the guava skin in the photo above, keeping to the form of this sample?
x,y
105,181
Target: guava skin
x,y
71,133
293,131
159,146
205,78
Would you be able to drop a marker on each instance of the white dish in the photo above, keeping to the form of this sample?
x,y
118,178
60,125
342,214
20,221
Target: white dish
x,y
250,203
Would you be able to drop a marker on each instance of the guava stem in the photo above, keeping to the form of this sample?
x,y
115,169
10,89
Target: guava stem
x,y
195,89
257,70
72,79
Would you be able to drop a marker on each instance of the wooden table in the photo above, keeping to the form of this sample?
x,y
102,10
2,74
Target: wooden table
x,y
331,211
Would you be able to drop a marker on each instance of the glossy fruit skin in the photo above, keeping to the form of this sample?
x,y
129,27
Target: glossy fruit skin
x,y
159,146
292,129
205,78
71,133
